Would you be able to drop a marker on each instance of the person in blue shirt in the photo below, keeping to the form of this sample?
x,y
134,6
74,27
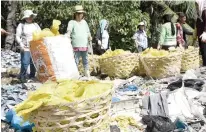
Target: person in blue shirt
x,y
140,38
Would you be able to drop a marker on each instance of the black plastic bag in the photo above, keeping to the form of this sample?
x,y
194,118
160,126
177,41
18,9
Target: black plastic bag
x,y
190,83
158,124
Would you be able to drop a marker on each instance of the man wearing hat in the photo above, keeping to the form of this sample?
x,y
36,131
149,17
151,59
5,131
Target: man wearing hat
x,y
24,33
79,32
140,38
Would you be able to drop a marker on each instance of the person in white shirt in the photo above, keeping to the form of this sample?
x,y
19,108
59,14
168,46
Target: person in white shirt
x,y
102,37
24,33
140,38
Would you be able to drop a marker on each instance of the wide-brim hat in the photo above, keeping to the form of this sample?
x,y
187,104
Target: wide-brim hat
x,y
28,13
79,9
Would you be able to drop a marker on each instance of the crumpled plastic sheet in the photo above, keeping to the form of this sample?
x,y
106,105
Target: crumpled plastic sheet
x,y
10,59
14,94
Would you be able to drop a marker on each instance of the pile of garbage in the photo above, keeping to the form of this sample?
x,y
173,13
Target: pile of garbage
x,y
9,59
169,104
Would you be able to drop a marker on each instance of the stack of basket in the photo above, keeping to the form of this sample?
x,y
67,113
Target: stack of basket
x,y
161,67
121,66
82,116
93,63
190,59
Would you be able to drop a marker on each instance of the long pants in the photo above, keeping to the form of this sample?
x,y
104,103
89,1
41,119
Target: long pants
x,y
84,55
203,51
140,49
25,62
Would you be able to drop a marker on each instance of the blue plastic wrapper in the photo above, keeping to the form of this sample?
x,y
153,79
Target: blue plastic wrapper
x,y
114,99
130,88
17,122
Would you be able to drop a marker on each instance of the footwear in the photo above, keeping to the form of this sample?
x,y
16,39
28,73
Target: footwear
x,y
87,73
32,80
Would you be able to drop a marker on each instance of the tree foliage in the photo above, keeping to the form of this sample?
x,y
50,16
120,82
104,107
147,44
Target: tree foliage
x,y
123,16
123,20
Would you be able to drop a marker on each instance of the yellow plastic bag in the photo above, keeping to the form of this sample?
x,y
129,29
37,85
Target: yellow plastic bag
x,y
55,27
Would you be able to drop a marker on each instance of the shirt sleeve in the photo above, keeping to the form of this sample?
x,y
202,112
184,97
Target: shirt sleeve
x,y
204,19
88,31
186,31
38,27
69,28
178,34
18,35
135,37
162,35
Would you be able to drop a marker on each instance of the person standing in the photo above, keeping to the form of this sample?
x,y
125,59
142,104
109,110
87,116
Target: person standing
x,y
24,34
102,37
201,27
168,33
140,38
79,32
182,31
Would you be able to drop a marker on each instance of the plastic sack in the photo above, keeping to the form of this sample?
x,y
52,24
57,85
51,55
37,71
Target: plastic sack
x,y
17,122
55,27
189,74
54,59
158,124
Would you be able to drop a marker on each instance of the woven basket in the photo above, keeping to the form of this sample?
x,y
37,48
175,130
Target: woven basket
x,y
161,67
81,116
122,66
92,64
200,60
190,59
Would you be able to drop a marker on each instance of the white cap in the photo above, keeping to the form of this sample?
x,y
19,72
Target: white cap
x,y
28,13
141,24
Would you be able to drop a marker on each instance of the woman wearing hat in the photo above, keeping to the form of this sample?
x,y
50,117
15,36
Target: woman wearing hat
x,y
24,34
79,32
168,33
140,38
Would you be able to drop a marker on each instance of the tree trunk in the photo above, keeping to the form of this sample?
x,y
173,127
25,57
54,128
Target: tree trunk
x,y
11,25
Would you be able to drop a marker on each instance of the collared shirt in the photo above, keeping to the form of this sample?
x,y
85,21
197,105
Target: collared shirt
x,y
140,38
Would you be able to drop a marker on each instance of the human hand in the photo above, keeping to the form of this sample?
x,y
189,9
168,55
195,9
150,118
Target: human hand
x,y
99,42
90,38
203,37
4,32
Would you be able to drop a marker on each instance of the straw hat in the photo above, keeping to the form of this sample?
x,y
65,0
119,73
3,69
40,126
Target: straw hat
x,y
28,13
79,9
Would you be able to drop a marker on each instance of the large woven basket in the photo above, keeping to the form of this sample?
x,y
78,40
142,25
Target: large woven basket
x,y
81,116
92,64
190,59
122,66
161,67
